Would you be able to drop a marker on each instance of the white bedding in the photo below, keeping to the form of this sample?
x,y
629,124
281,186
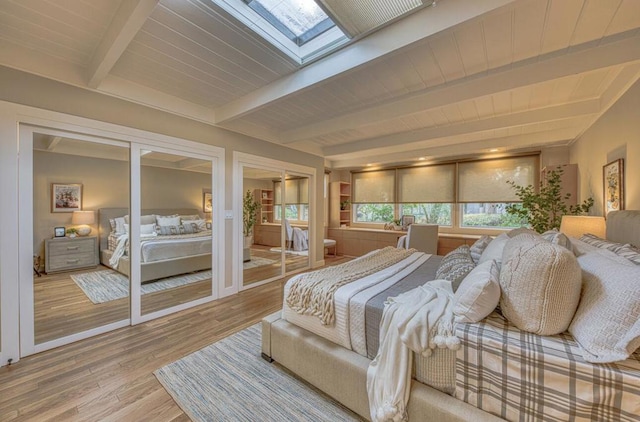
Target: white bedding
x,y
349,305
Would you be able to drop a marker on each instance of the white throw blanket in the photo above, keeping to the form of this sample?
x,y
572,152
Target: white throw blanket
x,y
415,321
121,247
300,239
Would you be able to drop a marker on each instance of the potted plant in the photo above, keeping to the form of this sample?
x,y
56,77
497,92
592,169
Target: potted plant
x,y
72,232
344,205
250,209
543,210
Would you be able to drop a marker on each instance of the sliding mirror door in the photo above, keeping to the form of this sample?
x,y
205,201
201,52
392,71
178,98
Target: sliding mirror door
x,y
262,232
174,229
74,290
293,212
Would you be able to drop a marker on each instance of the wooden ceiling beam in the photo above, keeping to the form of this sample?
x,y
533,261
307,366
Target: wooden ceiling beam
x,y
126,23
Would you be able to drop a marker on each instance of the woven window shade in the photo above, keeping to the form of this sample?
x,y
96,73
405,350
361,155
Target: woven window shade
x,y
297,192
486,181
357,17
427,184
303,188
374,187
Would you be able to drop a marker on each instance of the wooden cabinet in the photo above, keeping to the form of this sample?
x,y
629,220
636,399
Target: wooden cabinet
x,y
340,204
265,198
569,180
66,254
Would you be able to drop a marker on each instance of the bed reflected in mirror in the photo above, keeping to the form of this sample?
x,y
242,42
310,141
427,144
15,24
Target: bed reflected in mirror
x,y
175,230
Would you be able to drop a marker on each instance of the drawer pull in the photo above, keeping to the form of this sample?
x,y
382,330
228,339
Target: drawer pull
x,y
72,261
72,248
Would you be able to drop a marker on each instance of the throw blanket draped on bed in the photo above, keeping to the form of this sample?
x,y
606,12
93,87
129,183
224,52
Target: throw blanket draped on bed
x,y
312,293
418,320
121,247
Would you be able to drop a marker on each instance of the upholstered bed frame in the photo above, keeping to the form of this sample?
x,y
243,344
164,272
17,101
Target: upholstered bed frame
x,y
151,270
342,373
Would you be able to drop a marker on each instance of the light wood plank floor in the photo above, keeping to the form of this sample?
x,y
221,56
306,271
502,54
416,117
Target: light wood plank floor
x,y
110,377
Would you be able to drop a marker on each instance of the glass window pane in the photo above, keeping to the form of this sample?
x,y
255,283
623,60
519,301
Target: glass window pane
x,y
428,213
373,213
489,215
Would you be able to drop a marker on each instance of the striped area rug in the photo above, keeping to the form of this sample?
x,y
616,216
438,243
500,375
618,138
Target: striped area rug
x,y
107,285
229,381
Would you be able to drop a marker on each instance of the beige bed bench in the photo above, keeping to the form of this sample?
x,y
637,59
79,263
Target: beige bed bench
x,y
342,374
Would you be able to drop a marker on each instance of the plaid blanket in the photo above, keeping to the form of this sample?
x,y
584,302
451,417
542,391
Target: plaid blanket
x,y
524,377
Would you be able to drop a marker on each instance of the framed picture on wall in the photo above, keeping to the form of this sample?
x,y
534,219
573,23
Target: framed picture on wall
x,y
613,180
207,200
66,197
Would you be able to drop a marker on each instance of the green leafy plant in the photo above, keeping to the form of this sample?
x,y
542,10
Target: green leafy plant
x,y
344,204
249,213
543,210
72,230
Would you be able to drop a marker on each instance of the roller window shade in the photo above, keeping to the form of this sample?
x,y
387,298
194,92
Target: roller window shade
x,y
486,181
357,17
374,187
303,188
291,192
297,192
432,184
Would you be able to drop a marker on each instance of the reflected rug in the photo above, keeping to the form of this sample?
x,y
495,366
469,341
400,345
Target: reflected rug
x,y
302,253
229,381
107,285
256,261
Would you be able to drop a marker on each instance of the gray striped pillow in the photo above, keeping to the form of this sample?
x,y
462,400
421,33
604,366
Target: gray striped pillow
x,y
174,230
478,247
455,266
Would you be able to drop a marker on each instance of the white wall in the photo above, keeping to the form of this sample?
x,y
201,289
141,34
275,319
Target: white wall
x,y
615,135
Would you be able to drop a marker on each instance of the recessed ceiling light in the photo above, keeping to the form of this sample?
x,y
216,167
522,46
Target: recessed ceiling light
x,y
369,164
422,158
493,150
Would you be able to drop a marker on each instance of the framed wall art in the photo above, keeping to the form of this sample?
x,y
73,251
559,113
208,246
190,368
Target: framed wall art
x,y
613,179
207,201
66,197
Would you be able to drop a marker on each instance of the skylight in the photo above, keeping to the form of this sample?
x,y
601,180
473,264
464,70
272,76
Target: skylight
x,y
299,20
299,28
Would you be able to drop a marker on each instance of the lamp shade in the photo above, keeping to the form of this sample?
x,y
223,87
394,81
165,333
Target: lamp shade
x,y
577,225
83,217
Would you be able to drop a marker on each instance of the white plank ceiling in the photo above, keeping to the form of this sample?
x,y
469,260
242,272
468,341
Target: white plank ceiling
x,y
457,79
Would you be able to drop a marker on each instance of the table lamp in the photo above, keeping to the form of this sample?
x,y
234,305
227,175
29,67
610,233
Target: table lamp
x,y
83,219
577,225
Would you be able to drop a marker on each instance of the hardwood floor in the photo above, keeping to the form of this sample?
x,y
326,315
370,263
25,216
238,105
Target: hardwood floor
x,y
110,377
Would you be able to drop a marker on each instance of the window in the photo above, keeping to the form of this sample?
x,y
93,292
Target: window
x,y
429,193
489,215
428,213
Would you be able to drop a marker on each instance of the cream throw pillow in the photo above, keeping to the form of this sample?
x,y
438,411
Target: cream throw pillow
x,y
478,294
540,285
607,322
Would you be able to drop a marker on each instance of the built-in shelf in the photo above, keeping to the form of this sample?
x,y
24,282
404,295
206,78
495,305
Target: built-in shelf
x,y
265,198
339,215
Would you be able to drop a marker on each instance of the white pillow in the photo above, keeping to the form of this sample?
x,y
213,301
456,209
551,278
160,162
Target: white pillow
x,y
120,224
144,228
168,221
494,250
478,294
606,324
478,247
202,225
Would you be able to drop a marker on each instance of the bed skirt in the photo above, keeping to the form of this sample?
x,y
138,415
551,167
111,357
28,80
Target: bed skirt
x,y
342,374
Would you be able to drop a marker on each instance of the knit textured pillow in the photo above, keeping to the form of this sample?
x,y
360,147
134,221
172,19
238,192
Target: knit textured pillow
x,y
540,284
455,266
607,322
180,229
478,247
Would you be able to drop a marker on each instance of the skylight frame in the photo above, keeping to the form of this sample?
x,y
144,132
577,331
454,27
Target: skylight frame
x,y
319,46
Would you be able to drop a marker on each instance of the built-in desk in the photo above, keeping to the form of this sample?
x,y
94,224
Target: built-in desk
x,y
357,241
268,234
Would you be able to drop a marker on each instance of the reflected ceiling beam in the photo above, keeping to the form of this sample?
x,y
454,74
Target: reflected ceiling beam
x,y
126,23
53,142
189,163
548,114
411,29
611,51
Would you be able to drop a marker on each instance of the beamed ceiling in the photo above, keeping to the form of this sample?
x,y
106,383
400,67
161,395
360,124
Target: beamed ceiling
x,y
461,77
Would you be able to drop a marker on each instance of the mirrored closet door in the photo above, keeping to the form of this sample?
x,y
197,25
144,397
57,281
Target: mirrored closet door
x,y
294,213
174,229
73,289
262,252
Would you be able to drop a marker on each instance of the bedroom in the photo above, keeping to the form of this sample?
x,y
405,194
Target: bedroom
x,y
60,96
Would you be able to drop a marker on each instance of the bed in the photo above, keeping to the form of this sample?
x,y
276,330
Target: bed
x,y
499,373
166,256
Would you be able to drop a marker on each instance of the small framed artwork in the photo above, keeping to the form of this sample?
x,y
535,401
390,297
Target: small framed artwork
x,y
407,220
265,195
207,200
59,232
613,180
66,197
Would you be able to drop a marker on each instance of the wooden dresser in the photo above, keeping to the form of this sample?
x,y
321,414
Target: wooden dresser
x,y
67,254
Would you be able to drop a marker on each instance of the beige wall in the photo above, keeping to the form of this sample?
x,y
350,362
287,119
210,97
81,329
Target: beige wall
x,y
105,184
615,135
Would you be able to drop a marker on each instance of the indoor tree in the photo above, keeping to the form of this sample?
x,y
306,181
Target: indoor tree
x,y
543,210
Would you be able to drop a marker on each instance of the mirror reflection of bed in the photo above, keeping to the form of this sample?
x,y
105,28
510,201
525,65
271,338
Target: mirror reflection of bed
x,y
175,253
